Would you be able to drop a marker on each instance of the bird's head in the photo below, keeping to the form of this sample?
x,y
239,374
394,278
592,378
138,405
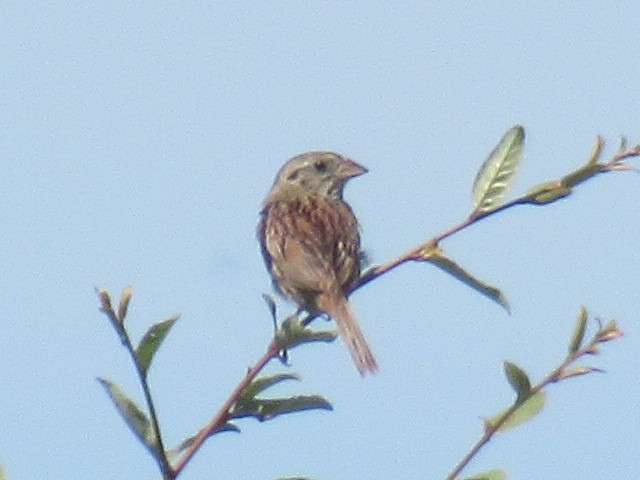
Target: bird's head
x,y
318,173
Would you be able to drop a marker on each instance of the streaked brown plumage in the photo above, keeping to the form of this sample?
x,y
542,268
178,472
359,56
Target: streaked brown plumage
x,y
311,243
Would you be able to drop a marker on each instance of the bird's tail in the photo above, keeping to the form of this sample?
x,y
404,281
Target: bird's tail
x,y
338,308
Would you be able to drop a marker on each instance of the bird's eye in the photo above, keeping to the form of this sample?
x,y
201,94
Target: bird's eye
x,y
320,166
292,177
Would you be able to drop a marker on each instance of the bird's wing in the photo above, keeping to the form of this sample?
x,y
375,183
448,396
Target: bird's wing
x,y
305,265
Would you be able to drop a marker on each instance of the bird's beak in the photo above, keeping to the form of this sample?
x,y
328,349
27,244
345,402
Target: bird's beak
x,y
350,169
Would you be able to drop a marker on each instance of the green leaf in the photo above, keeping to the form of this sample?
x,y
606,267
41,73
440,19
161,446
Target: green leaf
x,y
133,415
596,151
525,412
547,192
226,427
519,380
580,175
262,383
294,332
489,475
578,333
440,260
249,405
151,341
497,172
264,409
187,442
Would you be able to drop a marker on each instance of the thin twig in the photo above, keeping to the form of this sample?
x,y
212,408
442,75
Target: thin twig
x,y
563,186
415,254
556,375
118,324
164,461
220,418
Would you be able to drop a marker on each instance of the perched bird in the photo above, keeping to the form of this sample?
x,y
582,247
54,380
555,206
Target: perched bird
x,y
311,244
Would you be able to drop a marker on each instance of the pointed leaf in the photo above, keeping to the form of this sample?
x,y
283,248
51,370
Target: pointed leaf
x,y
187,442
105,300
294,332
609,331
580,175
578,371
594,155
518,379
151,341
578,333
525,412
443,262
123,306
264,409
547,192
591,350
497,172
133,415
489,475
262,383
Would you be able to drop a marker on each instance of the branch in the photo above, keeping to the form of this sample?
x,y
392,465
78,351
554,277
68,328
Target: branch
x,y
117,321
542,194
242,402
492,182
220,418
525,392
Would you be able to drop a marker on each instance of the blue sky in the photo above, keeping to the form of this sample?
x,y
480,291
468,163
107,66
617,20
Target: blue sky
x,y
138,141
